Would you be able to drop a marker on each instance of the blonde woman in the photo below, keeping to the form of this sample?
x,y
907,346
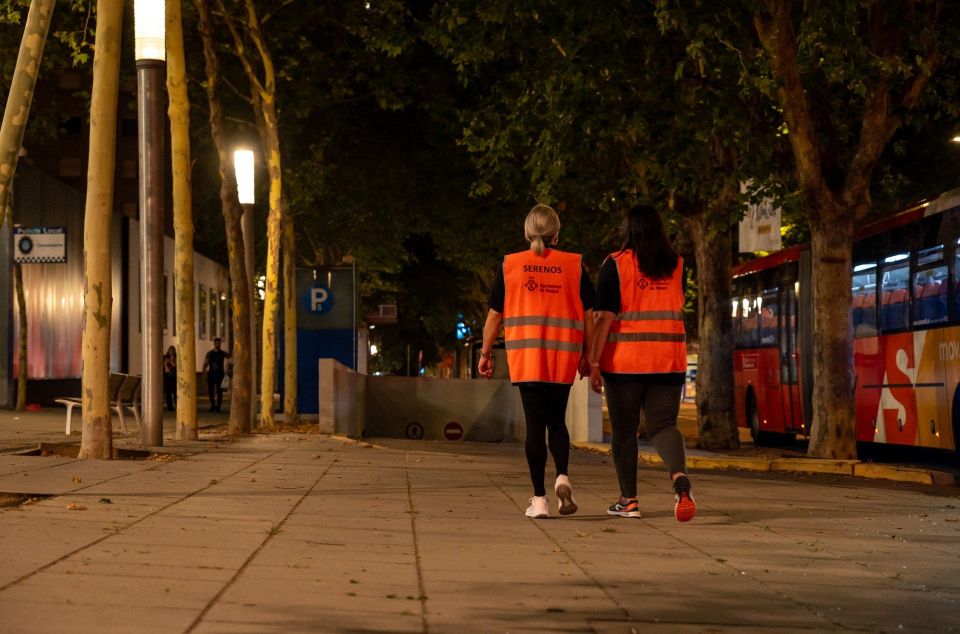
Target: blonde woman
x,y
544,300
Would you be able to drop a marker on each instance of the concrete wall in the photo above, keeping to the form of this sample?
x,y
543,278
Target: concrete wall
x,y
342,399
486,410
392,406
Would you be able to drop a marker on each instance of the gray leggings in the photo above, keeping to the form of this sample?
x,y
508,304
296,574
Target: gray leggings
x,y
660,405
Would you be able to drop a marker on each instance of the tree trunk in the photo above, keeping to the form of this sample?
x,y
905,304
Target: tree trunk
x,y
179,113
241,383
263,97
833,432
22,375
97,439
289,321
715,405
15,117
20,96
271,303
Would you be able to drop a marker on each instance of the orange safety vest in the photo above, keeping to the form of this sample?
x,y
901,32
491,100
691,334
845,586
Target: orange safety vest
x,y
647,336
542,315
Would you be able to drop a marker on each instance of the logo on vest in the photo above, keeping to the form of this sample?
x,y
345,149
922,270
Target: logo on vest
x,y
531,285
654,285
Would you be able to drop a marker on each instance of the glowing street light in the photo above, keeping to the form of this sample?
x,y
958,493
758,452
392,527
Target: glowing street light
x,y
243,168
149,30
149,24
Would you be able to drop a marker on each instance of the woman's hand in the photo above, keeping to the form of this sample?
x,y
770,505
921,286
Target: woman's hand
x,y
485,366
596,381
584,367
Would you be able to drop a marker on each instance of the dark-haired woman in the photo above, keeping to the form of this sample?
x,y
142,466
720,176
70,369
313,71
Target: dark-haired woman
x,y
639,354
544,300
170,379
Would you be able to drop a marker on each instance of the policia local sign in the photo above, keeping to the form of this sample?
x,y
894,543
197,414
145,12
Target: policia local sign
x,y
39,245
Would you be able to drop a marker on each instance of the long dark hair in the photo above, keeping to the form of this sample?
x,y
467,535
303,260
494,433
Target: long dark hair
x,y
643,233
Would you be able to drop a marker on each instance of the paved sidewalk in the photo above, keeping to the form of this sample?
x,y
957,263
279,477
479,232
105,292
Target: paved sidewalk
x,y
309,533
20,430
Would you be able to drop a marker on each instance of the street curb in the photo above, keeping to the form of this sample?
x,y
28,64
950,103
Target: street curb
x,y
853,468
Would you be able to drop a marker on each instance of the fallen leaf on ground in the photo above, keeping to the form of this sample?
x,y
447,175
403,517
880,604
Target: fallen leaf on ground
x,y
73,506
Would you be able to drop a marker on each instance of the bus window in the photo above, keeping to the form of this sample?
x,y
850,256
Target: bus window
x,y
956,281
768,317
747,334
735,316
865,300
894,292
930,287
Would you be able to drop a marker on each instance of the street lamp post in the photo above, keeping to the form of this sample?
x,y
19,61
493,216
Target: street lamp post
x,y
149,44
243,167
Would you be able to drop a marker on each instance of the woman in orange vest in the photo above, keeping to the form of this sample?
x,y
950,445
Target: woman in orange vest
x,y
639,355
544,299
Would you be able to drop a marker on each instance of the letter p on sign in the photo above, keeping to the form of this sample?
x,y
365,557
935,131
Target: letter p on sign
x,y
317,297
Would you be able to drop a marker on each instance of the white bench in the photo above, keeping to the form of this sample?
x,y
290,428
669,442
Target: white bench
x,y
113,387
128,391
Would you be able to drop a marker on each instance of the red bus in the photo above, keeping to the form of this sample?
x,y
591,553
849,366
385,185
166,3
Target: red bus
x,y
906,328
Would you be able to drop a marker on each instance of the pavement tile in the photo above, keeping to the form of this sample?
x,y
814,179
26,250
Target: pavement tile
x,y
865,607
197,537
333,569
227,618
185,573
180,555
324,592
29,617
654,627
111,590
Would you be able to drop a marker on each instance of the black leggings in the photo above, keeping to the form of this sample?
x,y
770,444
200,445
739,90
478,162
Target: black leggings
x,y
660,405
545,409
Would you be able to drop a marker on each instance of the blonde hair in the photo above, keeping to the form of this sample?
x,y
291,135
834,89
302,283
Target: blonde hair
x,y
541,227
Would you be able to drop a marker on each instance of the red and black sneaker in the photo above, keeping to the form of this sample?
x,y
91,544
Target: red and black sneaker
x,y
685,508
625,508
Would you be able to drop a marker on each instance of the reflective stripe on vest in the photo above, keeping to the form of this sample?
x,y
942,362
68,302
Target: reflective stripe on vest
x,y
542,316
647,336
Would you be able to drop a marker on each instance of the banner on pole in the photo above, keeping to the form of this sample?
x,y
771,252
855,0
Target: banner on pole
x,y
760,227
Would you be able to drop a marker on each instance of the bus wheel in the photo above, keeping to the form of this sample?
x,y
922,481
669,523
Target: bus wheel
x,y
753,419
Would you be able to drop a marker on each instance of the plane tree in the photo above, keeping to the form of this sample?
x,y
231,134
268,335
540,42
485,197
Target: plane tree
x,y
846,76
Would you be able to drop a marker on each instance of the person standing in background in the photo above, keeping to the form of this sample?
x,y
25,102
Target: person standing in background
x,y
170,379
214,366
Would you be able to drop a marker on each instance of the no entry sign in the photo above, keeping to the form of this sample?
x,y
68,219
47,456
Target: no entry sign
x,y
453,431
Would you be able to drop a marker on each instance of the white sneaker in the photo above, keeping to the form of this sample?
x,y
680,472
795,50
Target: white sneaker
x,y
539,508
564,491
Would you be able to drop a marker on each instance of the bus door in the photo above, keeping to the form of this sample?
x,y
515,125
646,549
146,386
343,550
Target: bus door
x,y
787,326
771,407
